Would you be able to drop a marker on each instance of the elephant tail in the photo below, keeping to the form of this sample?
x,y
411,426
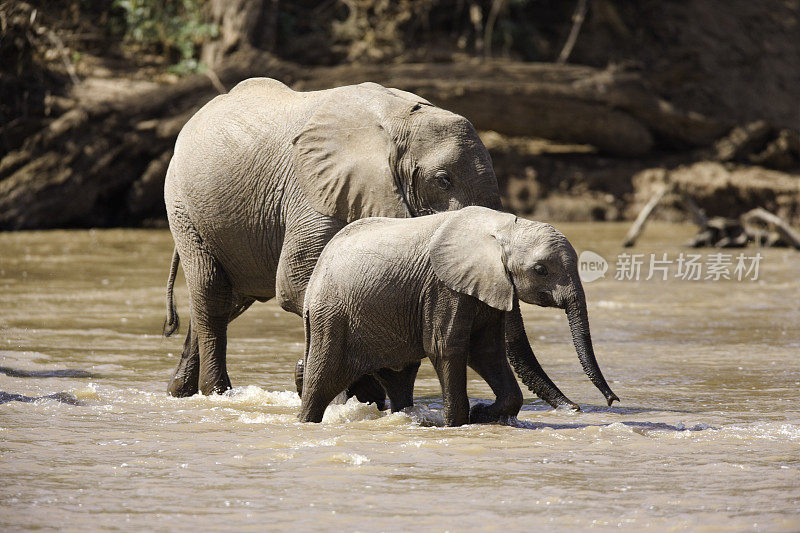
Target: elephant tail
x,y
300,367
172,322
307,329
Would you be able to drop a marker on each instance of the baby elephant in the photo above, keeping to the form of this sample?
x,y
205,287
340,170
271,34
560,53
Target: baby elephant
x,y
387,292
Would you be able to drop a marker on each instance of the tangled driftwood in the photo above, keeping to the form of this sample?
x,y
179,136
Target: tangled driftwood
x,y
757,225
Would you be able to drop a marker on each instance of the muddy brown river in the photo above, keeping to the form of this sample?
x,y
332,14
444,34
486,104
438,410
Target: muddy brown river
x,y
707,436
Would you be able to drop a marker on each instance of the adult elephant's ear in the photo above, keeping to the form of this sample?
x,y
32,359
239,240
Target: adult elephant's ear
x,y
467,255
342,157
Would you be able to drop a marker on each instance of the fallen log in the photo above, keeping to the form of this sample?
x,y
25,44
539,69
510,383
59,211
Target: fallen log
x,y
610,109
101,163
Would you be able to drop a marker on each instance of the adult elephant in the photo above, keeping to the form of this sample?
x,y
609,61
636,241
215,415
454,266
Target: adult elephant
x,y
264,176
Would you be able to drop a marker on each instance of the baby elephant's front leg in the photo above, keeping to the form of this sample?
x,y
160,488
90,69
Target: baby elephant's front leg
x,y
488,359
451,366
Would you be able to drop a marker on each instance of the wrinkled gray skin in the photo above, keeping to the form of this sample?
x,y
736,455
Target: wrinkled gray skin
x,y
388,292
263,177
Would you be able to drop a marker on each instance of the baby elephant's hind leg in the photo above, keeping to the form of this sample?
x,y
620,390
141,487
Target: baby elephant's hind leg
x,y
326,372
399,385
366,388
324,380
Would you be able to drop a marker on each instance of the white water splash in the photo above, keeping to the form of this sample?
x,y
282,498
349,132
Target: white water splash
x,y
266,418
253,395
355,459
89,392
352,411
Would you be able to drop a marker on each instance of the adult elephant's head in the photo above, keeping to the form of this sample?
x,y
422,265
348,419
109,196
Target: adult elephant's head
x,y
372,151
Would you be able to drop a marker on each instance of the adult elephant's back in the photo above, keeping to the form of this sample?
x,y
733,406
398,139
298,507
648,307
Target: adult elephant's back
x,y
231,177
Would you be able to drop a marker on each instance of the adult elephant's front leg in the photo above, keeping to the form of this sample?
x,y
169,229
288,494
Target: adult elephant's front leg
x,y
367,389
303,243
522,358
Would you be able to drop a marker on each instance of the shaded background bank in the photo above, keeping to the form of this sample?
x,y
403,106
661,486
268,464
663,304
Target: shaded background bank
x,y
586,106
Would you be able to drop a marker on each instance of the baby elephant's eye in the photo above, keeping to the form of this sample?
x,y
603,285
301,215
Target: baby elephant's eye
x,y
442,179
540,269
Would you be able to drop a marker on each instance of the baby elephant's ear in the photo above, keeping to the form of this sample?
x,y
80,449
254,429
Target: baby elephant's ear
x,y
467,255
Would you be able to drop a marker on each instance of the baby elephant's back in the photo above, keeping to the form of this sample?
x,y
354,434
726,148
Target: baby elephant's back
x,y
374,265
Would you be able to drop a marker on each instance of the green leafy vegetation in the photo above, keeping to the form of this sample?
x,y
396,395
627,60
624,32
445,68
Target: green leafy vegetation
x,y
175,29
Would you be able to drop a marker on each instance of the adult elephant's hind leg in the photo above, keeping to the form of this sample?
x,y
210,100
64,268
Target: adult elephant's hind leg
x,y
212,302
185,380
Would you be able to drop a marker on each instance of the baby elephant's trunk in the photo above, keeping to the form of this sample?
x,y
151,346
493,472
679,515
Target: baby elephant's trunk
x,y
582,339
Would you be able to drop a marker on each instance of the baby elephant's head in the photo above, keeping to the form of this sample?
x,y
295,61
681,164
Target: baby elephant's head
x,y
541,264
497,257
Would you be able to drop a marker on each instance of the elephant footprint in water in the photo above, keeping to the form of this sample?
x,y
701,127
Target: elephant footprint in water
x,y
388,292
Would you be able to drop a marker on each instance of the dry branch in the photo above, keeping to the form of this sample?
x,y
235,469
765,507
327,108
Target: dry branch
x,y
577,21
638,225
791,236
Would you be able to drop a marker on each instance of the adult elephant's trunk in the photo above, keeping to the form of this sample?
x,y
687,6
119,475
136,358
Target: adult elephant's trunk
x,y
522,358
579,326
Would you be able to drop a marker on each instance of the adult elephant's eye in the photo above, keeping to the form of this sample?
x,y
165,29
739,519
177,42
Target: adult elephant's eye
x,y
540,269
442,179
